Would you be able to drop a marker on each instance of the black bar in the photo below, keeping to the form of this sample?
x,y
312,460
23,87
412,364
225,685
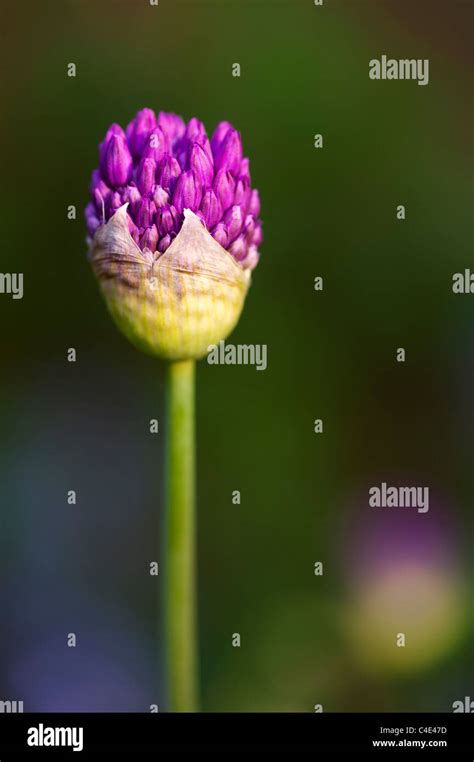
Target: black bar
x,y
445,735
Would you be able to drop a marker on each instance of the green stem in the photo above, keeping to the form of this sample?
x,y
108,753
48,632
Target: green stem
x,y
180,540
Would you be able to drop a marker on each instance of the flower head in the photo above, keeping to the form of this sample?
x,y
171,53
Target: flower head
x,y
174,229
160,166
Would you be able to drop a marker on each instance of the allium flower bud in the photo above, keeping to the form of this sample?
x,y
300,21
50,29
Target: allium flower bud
x,y
174,231
233,220
160,196
149,239
146,175
156,145
172,125
245,169
92,220
224,187
114,129
201,165
145,213
254,206
164,243
195,129
221,235
133,197
228,154
188,192
112,203
257,238
238,248
118,163
211,209
242,194
168,220
139,129
170,170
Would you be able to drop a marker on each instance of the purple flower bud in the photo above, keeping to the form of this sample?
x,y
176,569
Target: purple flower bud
x,y
224,187
228,154
187,193
114,129
257,237
195,133
132,196
251,260
118,164
219,134
233,221
206,146
100,195
211,209
203,141
220,234
99,202
250,224
160,196
242,194
149,239
172,125
170,171
248,228
156,145
254,205
167,220
144,214
239,248
92,220
114,202
96,178
139,129
164,243
182,152
195,129
100,186
146,175
244,170
201,165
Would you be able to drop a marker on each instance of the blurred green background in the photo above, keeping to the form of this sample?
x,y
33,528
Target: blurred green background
x,y
305,639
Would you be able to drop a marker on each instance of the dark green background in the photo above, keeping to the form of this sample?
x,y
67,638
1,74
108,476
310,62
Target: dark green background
x,y
331,212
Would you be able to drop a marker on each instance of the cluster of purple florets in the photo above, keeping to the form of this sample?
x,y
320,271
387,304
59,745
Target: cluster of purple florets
x,y
161,166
